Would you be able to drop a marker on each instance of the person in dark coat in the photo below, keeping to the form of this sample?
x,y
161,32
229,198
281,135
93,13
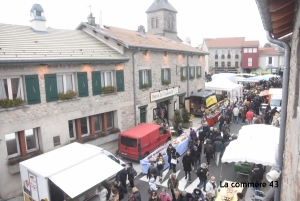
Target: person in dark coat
x,y
221,121
208,150
121,188
131,174
187,163
136,194
106,185
170,152
201,135
122,176
256,177
202,174
195,156
152,171
268,108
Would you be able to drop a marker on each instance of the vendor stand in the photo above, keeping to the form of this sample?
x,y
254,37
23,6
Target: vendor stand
x,y
213,113
228,193
243,168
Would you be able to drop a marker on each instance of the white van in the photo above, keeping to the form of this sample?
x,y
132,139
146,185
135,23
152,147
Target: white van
x,y
276,101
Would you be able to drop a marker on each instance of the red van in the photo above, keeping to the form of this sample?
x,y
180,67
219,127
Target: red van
x,y
137,142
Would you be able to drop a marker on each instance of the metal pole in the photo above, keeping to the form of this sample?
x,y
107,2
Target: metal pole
x,y
134,85
283,113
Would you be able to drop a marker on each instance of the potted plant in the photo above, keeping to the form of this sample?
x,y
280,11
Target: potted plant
x,y
192,77
167,82
198,75
145,86
187,123
7,103
183,78
109,89
68,95
177,119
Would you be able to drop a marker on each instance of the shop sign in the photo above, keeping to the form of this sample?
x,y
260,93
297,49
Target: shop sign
x,y
211,100
154,96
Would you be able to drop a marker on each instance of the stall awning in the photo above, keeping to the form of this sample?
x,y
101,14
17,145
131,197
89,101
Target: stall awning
x,y
83,176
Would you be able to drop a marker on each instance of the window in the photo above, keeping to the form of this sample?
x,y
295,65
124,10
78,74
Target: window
x,y
166,74
270,60
228,52
152,23
249,50
181,101
98,122
72,129
157,23
228,63
145,76
216,64
110,120
12,144
32,143
249,61
129,142
254,50
192,72
11,88
245,50
65,83
168,23
216,52
236,64
107,79
223,64
84,126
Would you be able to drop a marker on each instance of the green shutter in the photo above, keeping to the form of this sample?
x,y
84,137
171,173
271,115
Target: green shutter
x,y
149,78
120,80
181,73
197,71
32,89
96,82
162,76
51,87
83,88
141,78
169,75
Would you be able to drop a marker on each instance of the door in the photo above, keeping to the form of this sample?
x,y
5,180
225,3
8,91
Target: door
x,y
34,186
128,147
143,113
187,104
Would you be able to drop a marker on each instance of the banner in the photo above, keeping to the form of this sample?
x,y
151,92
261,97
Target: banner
x,y
211,100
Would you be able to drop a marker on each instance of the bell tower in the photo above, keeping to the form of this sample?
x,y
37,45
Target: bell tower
x,y
37,18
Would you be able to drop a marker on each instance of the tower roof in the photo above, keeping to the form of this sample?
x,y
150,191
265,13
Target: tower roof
x,y
37,7
161,5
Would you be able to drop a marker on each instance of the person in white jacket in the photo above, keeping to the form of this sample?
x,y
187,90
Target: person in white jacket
x,y
101,192
211,187
152,184
235,113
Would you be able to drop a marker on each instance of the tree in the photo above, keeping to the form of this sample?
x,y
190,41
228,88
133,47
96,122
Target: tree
x,y
185,116
177,119
267,45
188,40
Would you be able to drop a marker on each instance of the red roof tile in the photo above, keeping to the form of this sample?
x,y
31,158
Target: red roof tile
x,y
233,42
254,43
268,51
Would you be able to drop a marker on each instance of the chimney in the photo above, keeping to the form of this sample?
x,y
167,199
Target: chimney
x,y
141,29
37,18
91,20
100,20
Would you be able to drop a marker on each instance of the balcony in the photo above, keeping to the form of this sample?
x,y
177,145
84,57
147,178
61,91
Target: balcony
x,y
216,56
223,56
236,56
228,56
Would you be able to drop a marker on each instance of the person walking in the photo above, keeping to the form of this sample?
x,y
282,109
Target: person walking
x,y
175,160
243,115
195,156
152,184
202,174
121,190
122,177
153,196
131,174
170,152
152,171
235,113
208,150
199,148
249,117
221,121
160,166
115,195
102,193
218,145
136,194
177,196
164,196
211,187
173,184
187,163
193,134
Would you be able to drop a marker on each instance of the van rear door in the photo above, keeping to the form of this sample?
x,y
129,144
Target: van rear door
x,y
128,147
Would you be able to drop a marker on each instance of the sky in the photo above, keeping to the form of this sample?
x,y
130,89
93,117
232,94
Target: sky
x,y
196,19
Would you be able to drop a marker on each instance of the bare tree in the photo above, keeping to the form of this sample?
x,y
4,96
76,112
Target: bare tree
x,y
188,40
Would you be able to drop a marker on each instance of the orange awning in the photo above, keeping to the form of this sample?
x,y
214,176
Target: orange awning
x,y
264,93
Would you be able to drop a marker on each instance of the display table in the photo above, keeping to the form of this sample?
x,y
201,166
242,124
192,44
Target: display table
x,y
224,191
213,120
180,148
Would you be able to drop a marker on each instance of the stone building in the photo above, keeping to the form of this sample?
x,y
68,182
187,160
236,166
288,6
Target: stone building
x,y
284,25
226,54
40,67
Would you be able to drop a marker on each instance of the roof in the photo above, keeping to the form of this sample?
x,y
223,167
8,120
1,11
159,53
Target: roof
x,y
150,41
140,130
21,44
268,51
161,5
234,42
254,43
203,94
37,7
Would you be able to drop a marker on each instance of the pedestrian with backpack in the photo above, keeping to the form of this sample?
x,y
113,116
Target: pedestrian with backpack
x,y
208,151
202,174
131,174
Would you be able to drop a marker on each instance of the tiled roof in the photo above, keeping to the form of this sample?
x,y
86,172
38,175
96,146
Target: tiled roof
x,y
160,5
233,42
268,51
254,43
136,39
21,44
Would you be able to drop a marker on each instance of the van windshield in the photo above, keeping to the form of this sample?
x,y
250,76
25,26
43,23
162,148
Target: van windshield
x,y
129,142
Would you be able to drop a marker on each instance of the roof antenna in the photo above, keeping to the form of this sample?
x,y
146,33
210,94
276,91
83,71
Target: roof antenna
x,y
90,8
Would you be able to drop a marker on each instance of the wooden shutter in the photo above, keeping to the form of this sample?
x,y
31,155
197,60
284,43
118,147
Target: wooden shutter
x,y
83,88
51,87
169,75
181,73
162,76
32,89
141,78
96,82
120,80
149,78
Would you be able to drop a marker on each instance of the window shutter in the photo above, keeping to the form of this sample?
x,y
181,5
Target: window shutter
x,y
162,76
51,87
149,78
120,80
83,89
200,71
141,78
96,82
169,75
181,73
32,89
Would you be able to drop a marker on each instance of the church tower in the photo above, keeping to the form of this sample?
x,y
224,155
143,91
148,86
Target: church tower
x,y
161,19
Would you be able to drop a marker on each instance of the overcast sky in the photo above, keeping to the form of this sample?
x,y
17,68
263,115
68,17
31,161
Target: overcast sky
x,y
197,19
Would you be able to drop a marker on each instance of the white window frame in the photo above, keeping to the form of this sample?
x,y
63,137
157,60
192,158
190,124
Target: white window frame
x,y
9,88
88,127
245,50
104,75
236,52
101,126
145,76
249,50
74,129
166,74
65,83
229,52
193,73
249,61
216,52
255,50
113,118
35,133
18,146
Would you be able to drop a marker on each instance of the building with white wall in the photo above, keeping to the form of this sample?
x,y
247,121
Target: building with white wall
x,y
270,57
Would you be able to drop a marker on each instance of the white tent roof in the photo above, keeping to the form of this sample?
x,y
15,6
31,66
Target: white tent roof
x,y
222,84
229,76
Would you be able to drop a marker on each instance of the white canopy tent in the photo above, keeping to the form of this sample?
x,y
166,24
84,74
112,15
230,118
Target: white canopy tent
x,y
224,84
257,143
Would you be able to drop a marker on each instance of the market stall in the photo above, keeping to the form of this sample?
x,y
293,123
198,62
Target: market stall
x,y
181,145
228,193
212,114
223,84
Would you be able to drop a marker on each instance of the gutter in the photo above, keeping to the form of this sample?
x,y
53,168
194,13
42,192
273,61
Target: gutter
x,y
134,85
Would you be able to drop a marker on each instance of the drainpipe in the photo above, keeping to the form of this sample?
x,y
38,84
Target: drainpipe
x,y
134,85
285,85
